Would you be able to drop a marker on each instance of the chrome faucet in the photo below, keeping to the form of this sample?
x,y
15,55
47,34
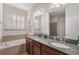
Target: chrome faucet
x,y
62,40
59,38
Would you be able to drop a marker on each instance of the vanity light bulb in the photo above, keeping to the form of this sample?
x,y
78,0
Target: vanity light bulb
x,y
34,14
63,3
57,5
38,12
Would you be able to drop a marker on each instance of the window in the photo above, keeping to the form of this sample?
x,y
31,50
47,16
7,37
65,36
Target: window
x,y
14,18
14,21
18,22
22,22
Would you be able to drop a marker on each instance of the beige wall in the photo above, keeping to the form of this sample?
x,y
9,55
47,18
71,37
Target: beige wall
x,y
1,20
45,23
29,21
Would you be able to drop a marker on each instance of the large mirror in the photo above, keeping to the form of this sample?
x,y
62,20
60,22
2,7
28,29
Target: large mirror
x,y
64,21
57,21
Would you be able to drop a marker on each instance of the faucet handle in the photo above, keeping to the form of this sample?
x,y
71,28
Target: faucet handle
x,y
55,37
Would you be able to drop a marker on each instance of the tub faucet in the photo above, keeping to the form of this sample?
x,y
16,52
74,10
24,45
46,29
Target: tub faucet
x,y
3,44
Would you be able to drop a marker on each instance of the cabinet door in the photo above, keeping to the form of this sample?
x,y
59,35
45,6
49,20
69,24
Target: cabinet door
x,y
29,46
37,50
51,51
45,53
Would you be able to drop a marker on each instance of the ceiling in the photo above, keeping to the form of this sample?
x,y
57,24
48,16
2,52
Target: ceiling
x,y
28,5
24,6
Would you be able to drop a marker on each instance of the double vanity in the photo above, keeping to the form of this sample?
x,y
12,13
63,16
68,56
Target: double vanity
x,y
41,46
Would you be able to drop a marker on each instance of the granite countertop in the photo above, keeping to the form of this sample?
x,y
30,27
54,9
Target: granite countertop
x,y
73,50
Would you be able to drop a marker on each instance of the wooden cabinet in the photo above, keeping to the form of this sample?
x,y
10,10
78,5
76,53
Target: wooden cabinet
x,y
35,48
45,53
29,46
50,51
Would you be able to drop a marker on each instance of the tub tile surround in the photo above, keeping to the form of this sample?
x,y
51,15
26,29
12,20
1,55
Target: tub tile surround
x,y
13,37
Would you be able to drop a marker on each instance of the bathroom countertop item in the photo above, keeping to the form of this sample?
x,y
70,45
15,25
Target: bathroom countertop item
x,y
73,50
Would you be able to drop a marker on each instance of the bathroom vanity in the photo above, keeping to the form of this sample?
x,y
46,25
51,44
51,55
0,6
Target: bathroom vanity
x,y
35,48
42,46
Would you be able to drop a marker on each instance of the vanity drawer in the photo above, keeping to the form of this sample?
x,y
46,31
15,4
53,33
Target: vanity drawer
x,y
51,51
37,44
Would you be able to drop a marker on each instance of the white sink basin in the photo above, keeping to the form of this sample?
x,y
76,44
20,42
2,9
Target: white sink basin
x,y
60,45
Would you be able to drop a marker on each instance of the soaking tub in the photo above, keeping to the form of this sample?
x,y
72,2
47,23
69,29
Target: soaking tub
x,y
13,47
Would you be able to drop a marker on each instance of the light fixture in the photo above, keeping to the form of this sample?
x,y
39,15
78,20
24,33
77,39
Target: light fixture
x,y
38,13
57,5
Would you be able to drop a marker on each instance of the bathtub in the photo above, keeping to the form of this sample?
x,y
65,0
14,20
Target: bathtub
x,y
13,47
